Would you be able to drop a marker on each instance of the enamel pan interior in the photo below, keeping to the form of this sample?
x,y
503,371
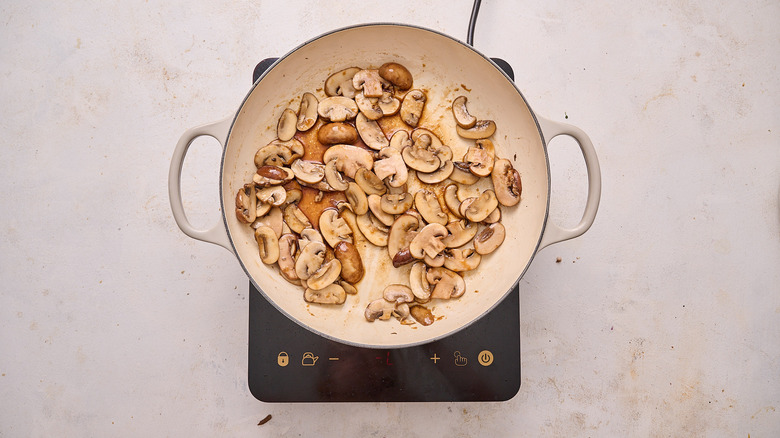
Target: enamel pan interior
x,y
445,68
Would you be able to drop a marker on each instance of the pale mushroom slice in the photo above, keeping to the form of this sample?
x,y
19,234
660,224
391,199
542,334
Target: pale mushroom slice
x,y
268,245
295,218
400,140
397,75
352,269
493,217
286,127
349,158
462,175
402,232
279,153
506,182
370,132
340,83
356,198
461,233
451,199
310,172
374,231
428,206
446,283
433,143
461,259
288,246
337,133
418,282
337,108
398,293
272,219
370,182
331,294
396,203
334,178
334,228
438,175
489,239
273,195
428,242
369,107
326,275
420,157
310,260
391,167
412,107
481,129
370,82
246,204
403,313
375,206
481,207
380,309
307,112
481,157
461,113
388,104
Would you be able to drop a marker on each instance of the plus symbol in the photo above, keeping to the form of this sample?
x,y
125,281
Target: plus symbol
x,y
435,358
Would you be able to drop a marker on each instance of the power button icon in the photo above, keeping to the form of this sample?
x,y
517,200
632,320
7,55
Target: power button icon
x,y
485,358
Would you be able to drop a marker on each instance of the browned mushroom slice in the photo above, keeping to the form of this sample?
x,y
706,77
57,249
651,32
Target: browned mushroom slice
x,y
432,142
489,239
310,260
493,217
340,83
391,167
369,107
438,175
295,219
272,219
400,140
326,275
279,153
379,309
371,133
388,103
507,183
482,206
373,230
286,128
288,246
447,284
331,294
461,113
337,133
370,82
397,75
349,158
461,174
481,157
348,288
418,282
307,112
356,198
402,232
461,233
375,205
429,208
333,228
274,195
421,156
412,107
398,293
337,108
310,172
272,175
246,204
428,241
403,314
482,129
461,259
369,182
392,203
422,315
268,245
351,264
451,199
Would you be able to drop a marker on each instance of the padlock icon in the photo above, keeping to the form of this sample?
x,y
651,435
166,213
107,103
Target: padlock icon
x,y
283,359
309,359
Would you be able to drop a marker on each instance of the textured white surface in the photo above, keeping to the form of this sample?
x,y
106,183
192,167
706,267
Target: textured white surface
x,y
662,320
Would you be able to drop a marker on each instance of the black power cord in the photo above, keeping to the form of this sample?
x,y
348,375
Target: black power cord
x,y
473,22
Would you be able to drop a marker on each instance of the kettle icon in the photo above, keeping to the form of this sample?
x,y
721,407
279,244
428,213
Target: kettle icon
x,y
309,359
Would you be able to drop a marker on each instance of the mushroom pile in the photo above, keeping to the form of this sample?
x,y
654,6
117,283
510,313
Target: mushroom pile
x,y
401,189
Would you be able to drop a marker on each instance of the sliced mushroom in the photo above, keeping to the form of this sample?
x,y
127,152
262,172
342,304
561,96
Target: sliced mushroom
x,y
337,133
438,175
293,195
481,208
246,204
481,129
422,315
331,294
370,132
268,245
461,233
418,282
397,75
295,219
391,167
420,157
396,203
370,82
340,83
373,230
398,293
286,128
428,241
351,264
334,177
379,309
506,182
481,157
375,205
348,288
333,228
309,234
493,217
433,143
369,107
412,107
447,284
337,108
349,158
461,113
461,259
369,182
288,246
310,260
356,198
272,175
272,219
402,257
327,274
490,238
434,262
428,206
451,199
307,112
402,233
278,153
464,205
461,174
388,104
403,313
310,172
261,211
274,195
400,140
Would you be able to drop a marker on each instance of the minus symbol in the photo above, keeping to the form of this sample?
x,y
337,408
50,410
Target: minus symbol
x,y
333,358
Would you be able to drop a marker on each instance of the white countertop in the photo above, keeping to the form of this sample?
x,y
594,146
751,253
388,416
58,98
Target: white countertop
x,y
662,320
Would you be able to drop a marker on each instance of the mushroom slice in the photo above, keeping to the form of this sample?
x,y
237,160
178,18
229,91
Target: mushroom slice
x,y
506,182
261,211
437,176
369,107
309,234
398,293
461,174
246,204
272,219
400,140
351,264
412,107
379,309
481,208
375,205
274,195
333,228
331,294
278,153
370,132
268,245
307,112
422,315
403,313
388,104
334,177
327,274
461,259
370,182
348,288
461,233
429,208
286,128
461,113
402,233
288,246
480,157
420,158
490,238
293,195
397,75
418,282
374,230
349,158
340,83
433,143
396,203
447,284
337,133
370,82
295,219
464,205
481,129
356,198
310,260
428,241
451,199
272,175
337,108
434,262
493,217
391,167
402,257
306,171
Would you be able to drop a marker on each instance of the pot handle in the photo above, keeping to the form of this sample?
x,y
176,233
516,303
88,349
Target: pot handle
x,y
217,234
554,233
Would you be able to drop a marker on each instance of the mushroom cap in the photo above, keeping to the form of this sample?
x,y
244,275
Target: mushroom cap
x,y
337,133
349,158
506,183
397,75
490,238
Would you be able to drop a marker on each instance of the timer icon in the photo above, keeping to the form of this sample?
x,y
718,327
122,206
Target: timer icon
x,y
485,358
